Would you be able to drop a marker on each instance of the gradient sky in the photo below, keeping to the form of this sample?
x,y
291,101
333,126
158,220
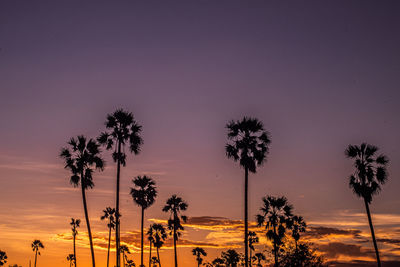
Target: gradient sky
x,y
320,75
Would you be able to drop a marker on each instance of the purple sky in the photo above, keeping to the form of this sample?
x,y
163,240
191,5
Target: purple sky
x,y
320,75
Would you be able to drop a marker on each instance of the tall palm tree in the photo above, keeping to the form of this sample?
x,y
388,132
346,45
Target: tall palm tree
x,y
231,258
253,239
109,214
124,249
370,173
74,224
174,206
3,258
81,158
277,217
248,143
122,130
143,194
71,259
198,252
298,226
157,235
260,257
36,245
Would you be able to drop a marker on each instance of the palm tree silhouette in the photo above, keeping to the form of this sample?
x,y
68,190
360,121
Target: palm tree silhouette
x,y
198,252
143,194
74,224
370,173
36,245
122,130
253,239
71,259
247,143
109,214
218,262
80,158
124,249
130,263
157,235
231,258
154,261
260,257
174,206
3,258
277,217
298,226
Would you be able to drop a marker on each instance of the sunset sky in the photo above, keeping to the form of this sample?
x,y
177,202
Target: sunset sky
x,y
319,74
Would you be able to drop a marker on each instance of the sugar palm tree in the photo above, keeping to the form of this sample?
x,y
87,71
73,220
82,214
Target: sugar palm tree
x,y
143,194
109,214
199,252
122,130
248,143
298,226
174,206
3,258
231,258
82,157
74,227
276,215
253,239
260,257
370,174
157,235
71,259
36,245
124,249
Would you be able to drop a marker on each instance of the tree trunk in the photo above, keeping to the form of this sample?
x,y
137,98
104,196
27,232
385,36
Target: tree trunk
x,y
141,250
74,249
176,256
275,249
87,219
150,255
158,257
117,226
372,233
109,245
35,256
246,226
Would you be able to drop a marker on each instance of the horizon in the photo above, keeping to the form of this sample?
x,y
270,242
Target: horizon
x,y
318,76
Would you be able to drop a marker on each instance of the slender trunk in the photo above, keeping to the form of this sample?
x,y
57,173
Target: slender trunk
x,y
117,226
246,226
275,249
87,220
150,255
198,262
176,256
372,233
74,249
141,250
158,257
35,256
109,245
70,263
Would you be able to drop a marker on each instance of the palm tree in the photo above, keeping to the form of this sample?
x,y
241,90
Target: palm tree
x,y
143,194
124,249
174,206
277,217
122,130
218,262
231,258
36,245
260,257
248,143
198,252
130,263
109,214
81,158
154,261
298,226
3,258
370,173
71,259
253,239
157,235
75,224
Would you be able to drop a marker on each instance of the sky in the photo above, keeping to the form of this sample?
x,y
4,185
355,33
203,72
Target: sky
x,y
319,75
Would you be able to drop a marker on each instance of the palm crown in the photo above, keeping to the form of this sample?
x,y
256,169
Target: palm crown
x,y
123,129
36,245
157,234
75,223
144,192
198,252
231,257
247,142
81,157
175,205
370,170
253,239
109,213
298,226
